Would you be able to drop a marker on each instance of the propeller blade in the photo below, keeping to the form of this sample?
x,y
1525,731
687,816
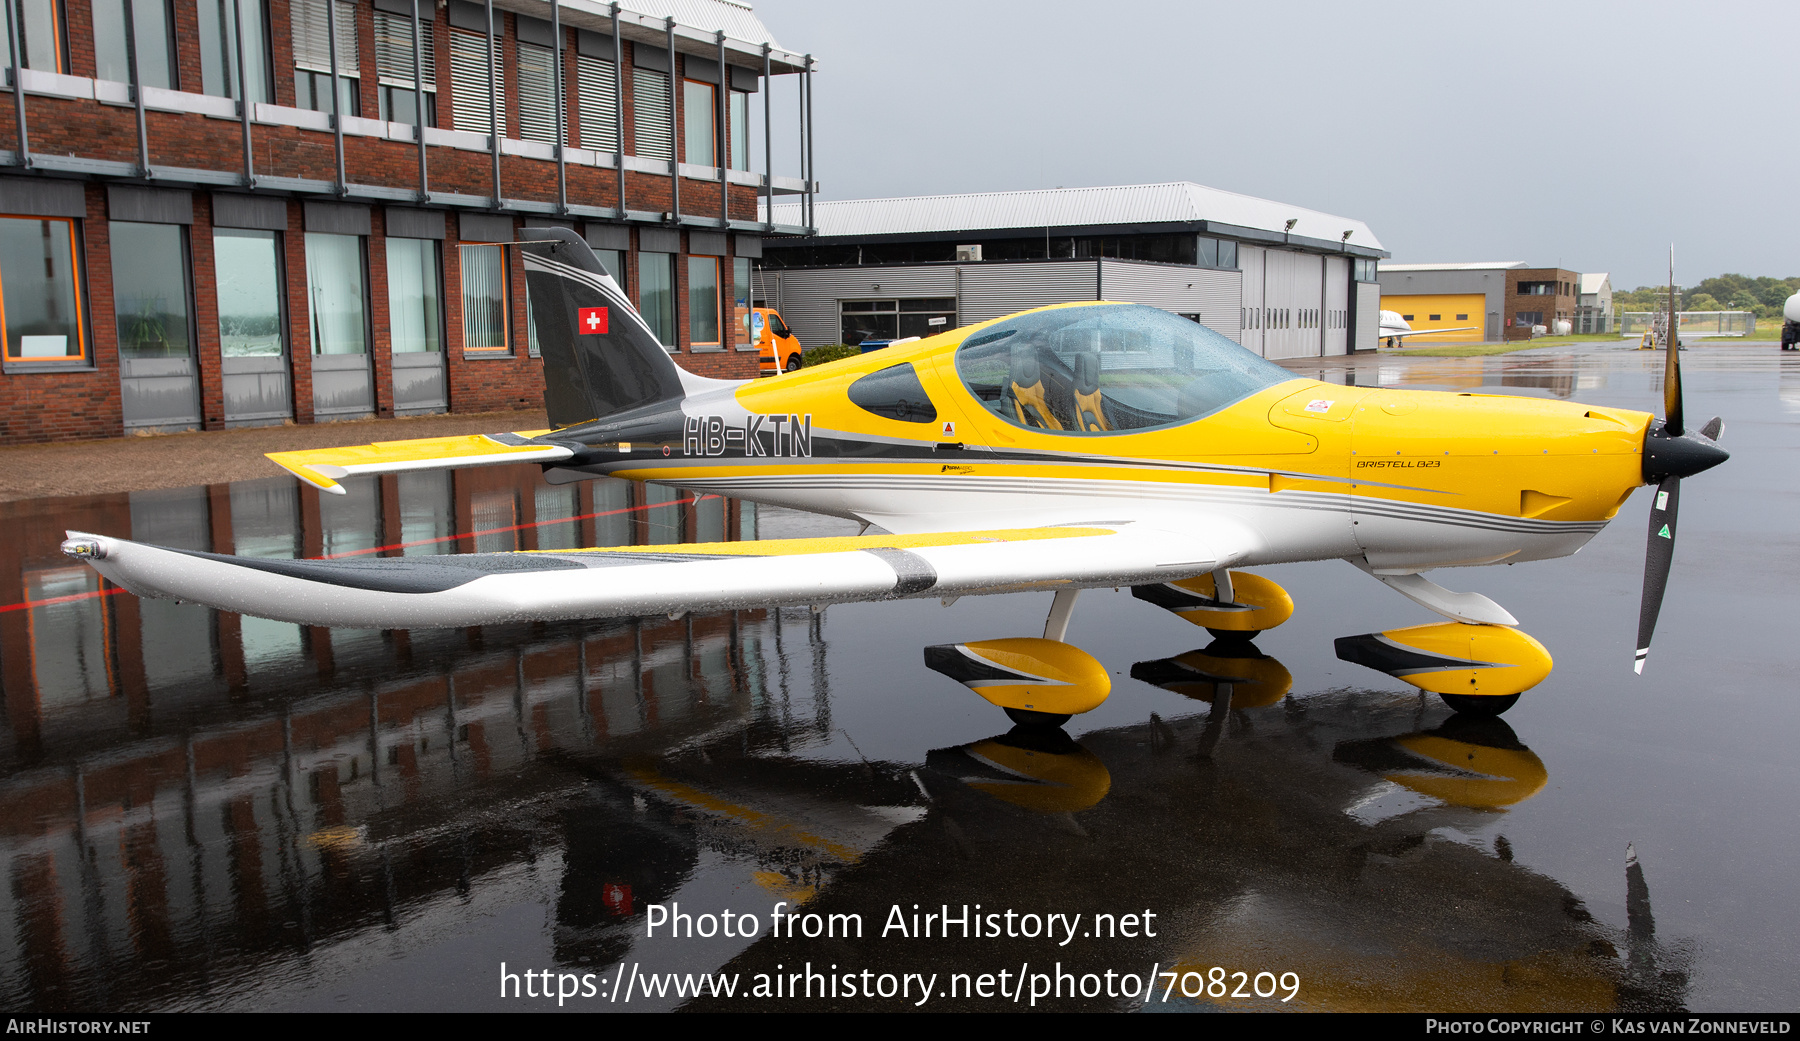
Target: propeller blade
x,y
1713,429
1672,418
1657,556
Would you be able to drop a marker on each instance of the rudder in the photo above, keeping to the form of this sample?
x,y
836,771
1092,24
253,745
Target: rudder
x,y
609,363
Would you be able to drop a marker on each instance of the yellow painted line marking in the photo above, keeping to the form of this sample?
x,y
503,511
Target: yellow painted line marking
x,y
846,543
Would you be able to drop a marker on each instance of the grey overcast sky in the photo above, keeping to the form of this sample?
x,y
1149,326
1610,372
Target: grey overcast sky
x,y
1585,134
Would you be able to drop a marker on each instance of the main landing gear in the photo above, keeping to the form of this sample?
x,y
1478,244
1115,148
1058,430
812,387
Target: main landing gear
x,y
1478,663
1038,683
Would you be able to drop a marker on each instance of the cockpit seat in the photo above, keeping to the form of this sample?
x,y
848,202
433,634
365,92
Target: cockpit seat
x,y
1090,409
1026,389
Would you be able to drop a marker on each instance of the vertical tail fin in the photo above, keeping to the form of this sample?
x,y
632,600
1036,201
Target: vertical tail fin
x,y
599,357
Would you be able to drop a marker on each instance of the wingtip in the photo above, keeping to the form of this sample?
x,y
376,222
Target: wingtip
x,y
1638,666
318,476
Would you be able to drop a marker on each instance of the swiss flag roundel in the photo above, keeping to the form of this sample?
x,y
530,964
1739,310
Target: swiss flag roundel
x,y
593,320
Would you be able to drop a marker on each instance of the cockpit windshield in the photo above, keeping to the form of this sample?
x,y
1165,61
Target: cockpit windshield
x,y
1114,368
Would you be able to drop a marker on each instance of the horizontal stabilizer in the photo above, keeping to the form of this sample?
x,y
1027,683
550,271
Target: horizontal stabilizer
x,y
323,468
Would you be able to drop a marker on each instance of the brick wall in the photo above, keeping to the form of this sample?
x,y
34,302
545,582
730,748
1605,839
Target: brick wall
x,y
1552,307
56,406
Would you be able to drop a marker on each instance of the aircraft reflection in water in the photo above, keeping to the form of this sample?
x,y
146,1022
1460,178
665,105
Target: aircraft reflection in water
x,y
228,829
1315,835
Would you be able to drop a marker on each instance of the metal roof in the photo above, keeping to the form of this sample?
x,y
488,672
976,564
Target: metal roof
x,y
1177,202
1591,283
696,22
1491,265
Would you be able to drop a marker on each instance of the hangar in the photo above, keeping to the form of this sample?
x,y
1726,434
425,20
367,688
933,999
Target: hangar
x,y
1283,280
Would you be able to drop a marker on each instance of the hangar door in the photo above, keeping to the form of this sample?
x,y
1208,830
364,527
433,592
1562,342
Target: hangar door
x,y
1293,303
1337,305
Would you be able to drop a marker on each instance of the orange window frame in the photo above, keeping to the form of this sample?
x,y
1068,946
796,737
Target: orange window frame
x,y
717,293
75,283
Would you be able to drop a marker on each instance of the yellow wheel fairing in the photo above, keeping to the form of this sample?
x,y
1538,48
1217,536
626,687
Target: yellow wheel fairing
x,y
1255,680
1026,673
1038,780
1453,658
1473,775
1257,603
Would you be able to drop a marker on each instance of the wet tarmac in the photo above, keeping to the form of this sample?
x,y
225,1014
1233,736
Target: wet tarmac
x,y
202,811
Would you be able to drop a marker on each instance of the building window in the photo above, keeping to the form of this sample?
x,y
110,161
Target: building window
x,y
219,48
484,298
896,319
397,96
1219,253
472,82
537,93
334,293
414,313
1462,317
1529,318
699,132
250,288
653,137
1434,318
40,290
150,290
312,57
599,103
613,260
656,295
703,301
1537,288
43,46
1363,270
740,130
71,637
121,25
740,302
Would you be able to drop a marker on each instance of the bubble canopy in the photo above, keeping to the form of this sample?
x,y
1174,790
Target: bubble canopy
x,y
1108,369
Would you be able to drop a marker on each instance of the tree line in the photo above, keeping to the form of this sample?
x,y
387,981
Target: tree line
x,y
1761,295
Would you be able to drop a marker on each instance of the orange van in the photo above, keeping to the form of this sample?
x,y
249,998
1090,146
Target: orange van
x,y
779,348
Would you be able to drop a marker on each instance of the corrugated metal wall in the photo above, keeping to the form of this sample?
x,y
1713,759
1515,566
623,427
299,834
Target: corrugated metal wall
x,y
1213,295
1368,316
808,298
997,290
1240,304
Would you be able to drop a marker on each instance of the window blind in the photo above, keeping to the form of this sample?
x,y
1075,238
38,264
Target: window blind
x,y
312,39
472,83
394,48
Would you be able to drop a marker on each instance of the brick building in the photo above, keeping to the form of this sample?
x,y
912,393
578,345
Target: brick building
x,y
263,234
1539,296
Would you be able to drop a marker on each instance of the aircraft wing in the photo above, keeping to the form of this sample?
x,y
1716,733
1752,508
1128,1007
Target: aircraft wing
x,y
1427,332
324,467
479,588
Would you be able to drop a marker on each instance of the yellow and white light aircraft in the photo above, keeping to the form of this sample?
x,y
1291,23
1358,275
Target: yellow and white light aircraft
x,y
1394,327
1070,447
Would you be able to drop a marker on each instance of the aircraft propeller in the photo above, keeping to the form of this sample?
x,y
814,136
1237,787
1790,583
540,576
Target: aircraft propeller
x,y
1670,453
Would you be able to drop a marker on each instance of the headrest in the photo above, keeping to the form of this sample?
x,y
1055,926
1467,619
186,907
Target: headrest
x,y
1024,366
1087,372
